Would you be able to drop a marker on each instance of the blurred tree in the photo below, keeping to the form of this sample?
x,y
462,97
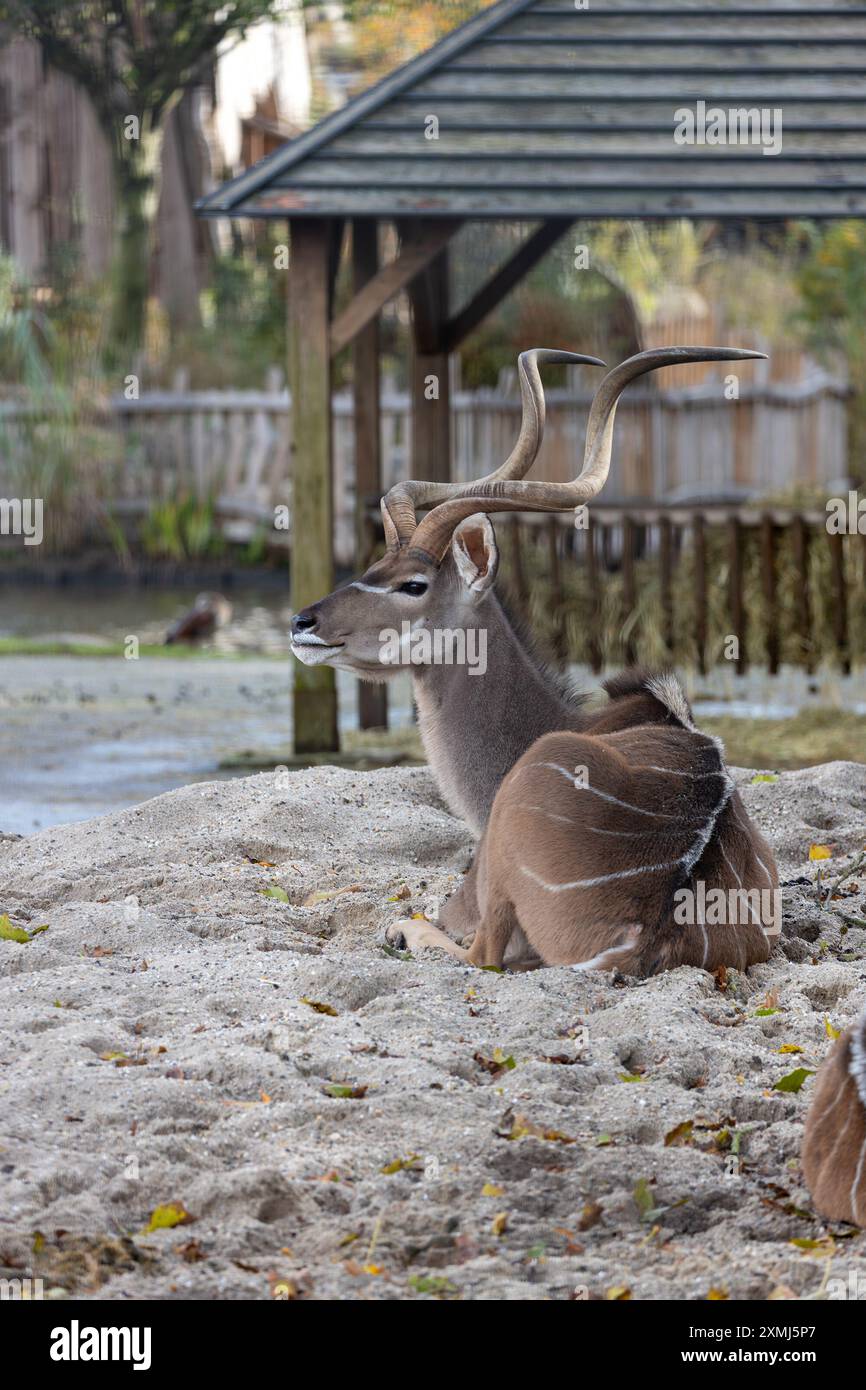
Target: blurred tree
x,y
134,59
832,283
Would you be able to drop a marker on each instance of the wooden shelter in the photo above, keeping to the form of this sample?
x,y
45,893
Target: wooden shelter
x,y
533,111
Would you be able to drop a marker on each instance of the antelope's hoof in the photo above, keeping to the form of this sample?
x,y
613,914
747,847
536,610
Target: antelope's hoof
x,y
395,936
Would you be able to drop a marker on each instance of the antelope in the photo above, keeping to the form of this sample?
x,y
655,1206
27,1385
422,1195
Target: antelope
x,y
590,822
834,1144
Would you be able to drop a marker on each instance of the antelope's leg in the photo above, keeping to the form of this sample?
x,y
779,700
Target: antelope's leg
x,y
493,935
415,934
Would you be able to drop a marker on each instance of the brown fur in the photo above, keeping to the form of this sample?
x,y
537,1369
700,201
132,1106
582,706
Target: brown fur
x,y
624,865
486,737
834,1145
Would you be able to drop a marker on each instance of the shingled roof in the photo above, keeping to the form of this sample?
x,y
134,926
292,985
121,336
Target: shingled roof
x,y
547,110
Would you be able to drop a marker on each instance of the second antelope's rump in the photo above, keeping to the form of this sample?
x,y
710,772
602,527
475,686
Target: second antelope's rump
x,y
834,1145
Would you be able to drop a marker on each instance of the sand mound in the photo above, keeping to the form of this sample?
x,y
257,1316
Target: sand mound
x,y
344,1123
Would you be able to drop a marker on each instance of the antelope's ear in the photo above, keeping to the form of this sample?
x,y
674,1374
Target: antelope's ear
x,y
476,556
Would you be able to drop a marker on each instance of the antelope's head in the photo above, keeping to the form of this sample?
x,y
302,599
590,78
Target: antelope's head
x,y
437,570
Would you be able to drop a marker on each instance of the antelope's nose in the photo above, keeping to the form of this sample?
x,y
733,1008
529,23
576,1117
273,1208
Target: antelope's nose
x,y
305,621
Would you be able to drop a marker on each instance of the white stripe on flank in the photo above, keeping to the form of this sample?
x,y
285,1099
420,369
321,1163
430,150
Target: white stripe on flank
x,y
594,882
693,857
856,1183
566,820
695,776
596,963
755,920
629,834
605,796
857,1066
748,834
706,943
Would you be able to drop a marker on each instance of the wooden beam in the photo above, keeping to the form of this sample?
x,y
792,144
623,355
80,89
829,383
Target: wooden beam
x,y
431,388
504,280
415,254
314,695
372,699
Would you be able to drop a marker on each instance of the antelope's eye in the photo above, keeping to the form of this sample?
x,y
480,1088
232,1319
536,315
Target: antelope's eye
x,y
415,587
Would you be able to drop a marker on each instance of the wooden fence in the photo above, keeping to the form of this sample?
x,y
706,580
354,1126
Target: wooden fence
x,y
711,582
684,444
679,444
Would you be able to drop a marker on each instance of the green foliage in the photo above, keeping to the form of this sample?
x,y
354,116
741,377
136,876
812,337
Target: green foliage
x,y
182,528
832,284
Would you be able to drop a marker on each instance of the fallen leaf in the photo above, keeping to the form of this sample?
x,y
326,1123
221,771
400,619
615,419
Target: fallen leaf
x,y
278,894
764,777
8,932
820,852
435,1284
717,1295
826,1245
326,895
496,1064
338,1092
793,1081
590,1216
399,1165
680,1134
165,1217
319,1007
491,1190
790,1047
832,1033
619,1293
400,896
499,1223
190,1252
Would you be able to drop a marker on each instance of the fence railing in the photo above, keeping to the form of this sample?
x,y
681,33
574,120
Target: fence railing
x,y
233,446
691,585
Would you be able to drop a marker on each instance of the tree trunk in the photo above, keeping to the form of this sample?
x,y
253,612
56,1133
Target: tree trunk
x,y
135,188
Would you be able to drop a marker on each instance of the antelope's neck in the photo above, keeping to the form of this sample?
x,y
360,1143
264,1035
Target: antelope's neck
x,y
475,726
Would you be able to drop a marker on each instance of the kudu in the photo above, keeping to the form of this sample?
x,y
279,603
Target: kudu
x,y
834,1144
591,823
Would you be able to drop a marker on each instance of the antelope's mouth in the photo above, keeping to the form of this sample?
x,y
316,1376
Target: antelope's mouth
x,y
312,651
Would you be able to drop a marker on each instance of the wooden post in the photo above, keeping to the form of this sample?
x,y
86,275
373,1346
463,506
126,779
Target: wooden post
x,y
840,600
768,573
372,699
556,590
595,648
629,541
735,592
431,403
801,538
315,695
665,580
700,540
518,571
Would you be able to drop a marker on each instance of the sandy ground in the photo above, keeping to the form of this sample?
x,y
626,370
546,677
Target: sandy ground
x,y
173,1035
